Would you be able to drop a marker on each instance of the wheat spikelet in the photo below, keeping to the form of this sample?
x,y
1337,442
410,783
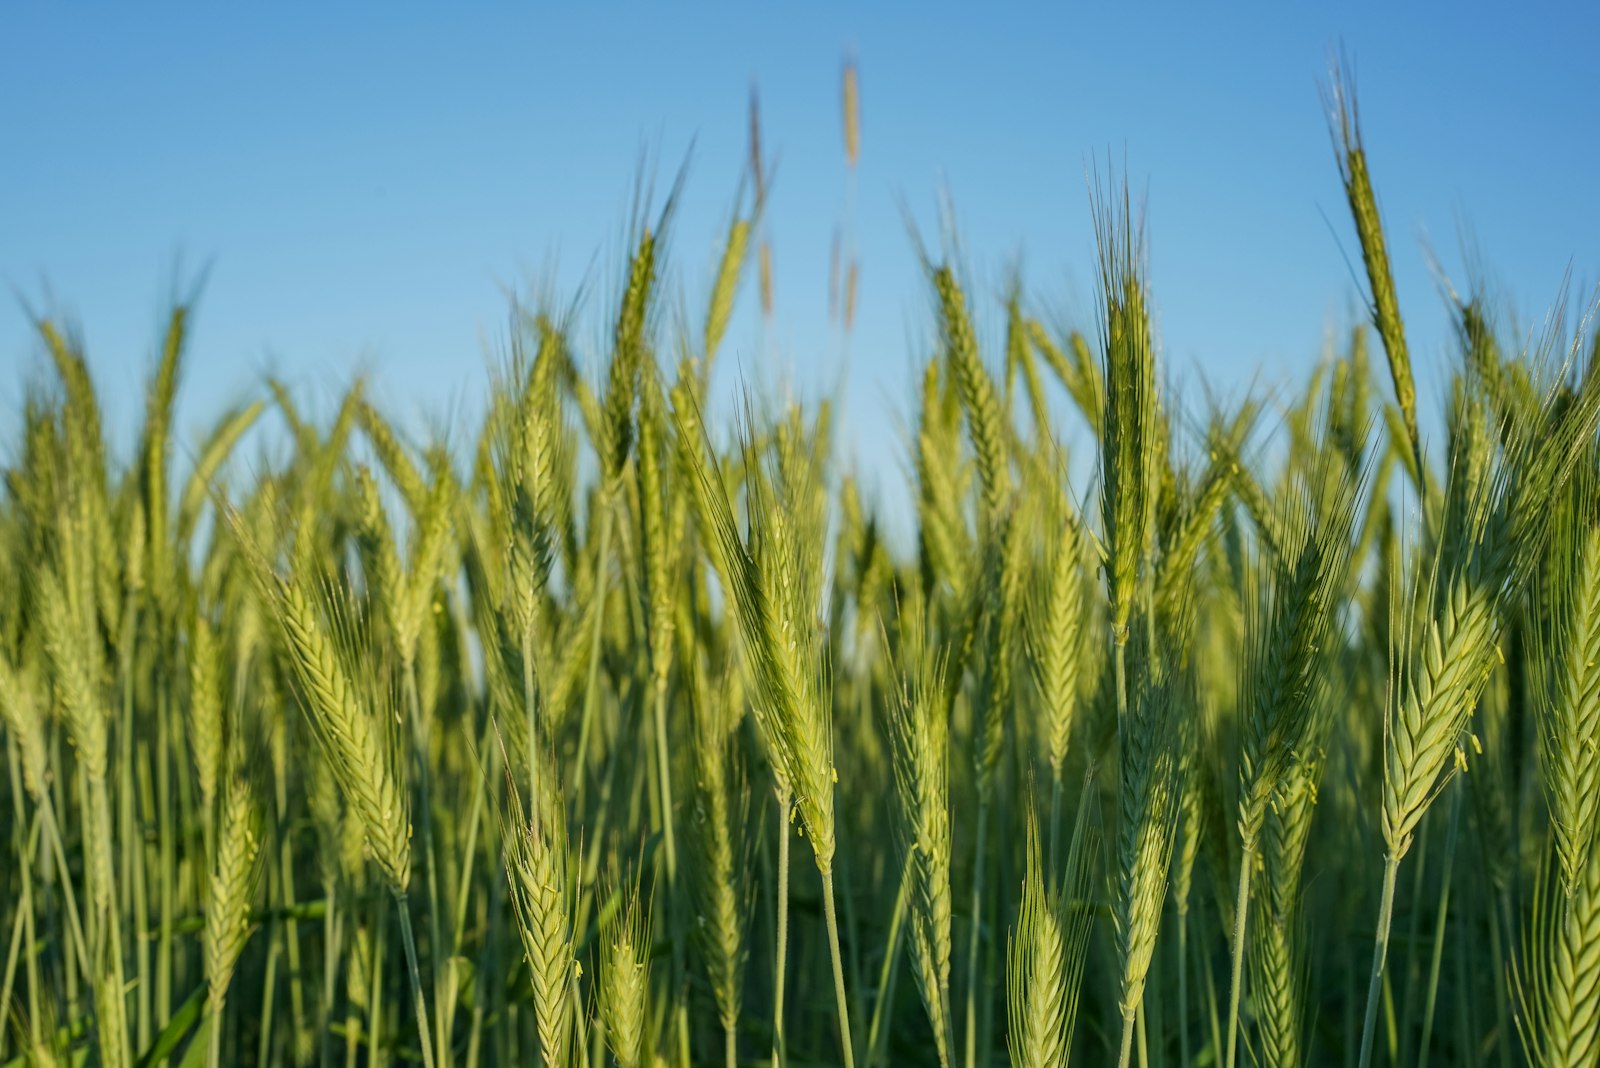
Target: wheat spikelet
x,y
1055,630
943,531
21,711
1560,998
205,708
1129,431
537,864
1048,949
1493,536
1275,994
725,288
1149,789
111,1020
780,650
919,738
225,435
154,456
978,396
1292,626
430,556
753,125
529,483
658,550
764,265
1276,970
381,561
230,890
1080,373
1567,680
74,664
720,876
1036,987
1003,611
628,350
344,721
625,981
850,95
393,456
1363,202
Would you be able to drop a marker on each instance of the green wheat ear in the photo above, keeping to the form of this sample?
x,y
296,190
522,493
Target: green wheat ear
x,y
230,891
1130,432
1049,946
625,980
1352,156
1567,676
1036,983
721,877
919,737
341,713
537,862
1150,767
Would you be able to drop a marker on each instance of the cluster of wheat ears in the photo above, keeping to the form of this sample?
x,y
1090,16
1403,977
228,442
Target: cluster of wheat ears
x,y
1278,743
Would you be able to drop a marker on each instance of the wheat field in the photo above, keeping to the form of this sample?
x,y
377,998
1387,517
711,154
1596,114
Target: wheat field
x,y
614,731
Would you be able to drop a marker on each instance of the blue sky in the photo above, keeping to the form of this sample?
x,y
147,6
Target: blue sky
x,y
366,182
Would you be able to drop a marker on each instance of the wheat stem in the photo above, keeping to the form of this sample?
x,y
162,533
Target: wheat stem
x,y
420,1002
1184,1056
1241,908
1380,952
891,962
780,1055
1125,1052
974,931
830,914
1440,926
680,1010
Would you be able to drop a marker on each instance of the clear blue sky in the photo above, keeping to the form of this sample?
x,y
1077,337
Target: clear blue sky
x,y
366,181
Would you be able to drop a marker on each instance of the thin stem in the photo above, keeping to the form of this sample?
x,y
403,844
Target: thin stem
x,y
1120,662
1183,986
115,1036
1241,910
1055,819
269,985
680,1009
1439,929
424,798
1213,1020
214,1027
891,959
424,1032
64,880
830,913
1120,671
780,1054
1380,952
330,971
1497,952
375,984
167,849
22,921
1125,1057
973,932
